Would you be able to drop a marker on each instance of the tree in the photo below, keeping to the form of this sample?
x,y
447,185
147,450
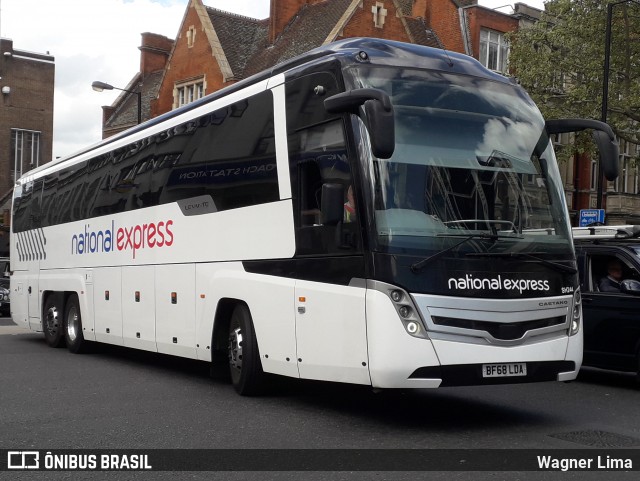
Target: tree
x,y
560,60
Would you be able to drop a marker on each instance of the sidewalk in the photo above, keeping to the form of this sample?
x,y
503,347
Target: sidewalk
x,y
7,327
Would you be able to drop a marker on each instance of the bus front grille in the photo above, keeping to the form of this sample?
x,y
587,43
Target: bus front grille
x,y
499,330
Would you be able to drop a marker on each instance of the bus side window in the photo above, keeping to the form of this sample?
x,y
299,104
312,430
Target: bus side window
x,y
317,156
309,185
21,199
228,155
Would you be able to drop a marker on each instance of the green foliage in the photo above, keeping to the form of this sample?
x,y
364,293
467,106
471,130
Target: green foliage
x,y
560,61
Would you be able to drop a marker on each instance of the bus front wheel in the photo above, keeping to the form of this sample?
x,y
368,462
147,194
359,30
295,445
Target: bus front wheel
x,y
244,359
73,326
52,323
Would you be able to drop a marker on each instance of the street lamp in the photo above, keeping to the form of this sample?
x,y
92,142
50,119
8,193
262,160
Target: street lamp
x,y
605,84
100,86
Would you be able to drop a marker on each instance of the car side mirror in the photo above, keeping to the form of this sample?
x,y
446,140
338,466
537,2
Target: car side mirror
x,y
630,286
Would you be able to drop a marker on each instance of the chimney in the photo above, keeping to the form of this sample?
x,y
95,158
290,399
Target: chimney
x,y
282,11
154,52
107,112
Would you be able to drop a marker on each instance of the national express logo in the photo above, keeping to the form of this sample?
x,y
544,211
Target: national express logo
x,y
133,238
498,283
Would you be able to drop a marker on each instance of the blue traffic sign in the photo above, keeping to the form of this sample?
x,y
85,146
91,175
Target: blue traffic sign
x,y
591,216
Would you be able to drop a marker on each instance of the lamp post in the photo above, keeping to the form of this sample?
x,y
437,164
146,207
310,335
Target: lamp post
x,y
605,85
100,86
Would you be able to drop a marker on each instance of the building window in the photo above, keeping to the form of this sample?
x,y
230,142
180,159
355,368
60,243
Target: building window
x,y
191,36
379,14
622,183
636,170
494,50
25,151
187,92
594,175
565,163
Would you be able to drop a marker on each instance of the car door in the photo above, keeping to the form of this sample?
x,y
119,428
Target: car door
x,y
611,321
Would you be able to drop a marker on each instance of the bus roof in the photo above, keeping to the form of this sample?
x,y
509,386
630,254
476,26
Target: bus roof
x,y
352,51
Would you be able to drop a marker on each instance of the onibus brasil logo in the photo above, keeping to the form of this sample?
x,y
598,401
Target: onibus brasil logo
x,y
113,238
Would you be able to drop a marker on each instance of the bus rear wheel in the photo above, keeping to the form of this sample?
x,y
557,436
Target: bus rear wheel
x,y
73,326
245,368
52,323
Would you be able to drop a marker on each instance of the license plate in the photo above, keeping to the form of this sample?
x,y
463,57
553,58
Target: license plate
x,y
504,370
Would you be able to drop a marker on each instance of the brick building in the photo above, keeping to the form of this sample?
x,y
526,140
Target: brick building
x,y
214,48
123,113
26,117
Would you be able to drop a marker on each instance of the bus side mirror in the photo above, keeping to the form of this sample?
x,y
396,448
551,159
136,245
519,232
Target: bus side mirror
x,y
332,204
609,152
378,116
602,135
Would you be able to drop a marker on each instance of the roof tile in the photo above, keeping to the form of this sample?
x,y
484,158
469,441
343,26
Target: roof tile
x,y
239,36
126,113
306,31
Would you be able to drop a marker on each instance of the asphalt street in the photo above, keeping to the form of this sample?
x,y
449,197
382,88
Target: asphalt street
x,y
117,398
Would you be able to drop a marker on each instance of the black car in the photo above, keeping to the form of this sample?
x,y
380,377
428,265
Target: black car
x,y
609,266
5,297
5,289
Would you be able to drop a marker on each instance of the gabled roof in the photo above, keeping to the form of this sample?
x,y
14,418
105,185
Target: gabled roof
x,y
421,34
239,37
465,3
241,48
406,6
306,31
320,23
126,111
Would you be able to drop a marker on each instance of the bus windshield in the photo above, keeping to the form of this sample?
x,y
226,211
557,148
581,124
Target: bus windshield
x,y
472,158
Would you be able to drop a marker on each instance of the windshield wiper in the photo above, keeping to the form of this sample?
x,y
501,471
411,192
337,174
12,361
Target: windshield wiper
x,y
553,265
418,266
490,223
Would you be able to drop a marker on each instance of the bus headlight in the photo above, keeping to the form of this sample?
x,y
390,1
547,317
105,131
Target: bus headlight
x,y
408,313
395,295
577,312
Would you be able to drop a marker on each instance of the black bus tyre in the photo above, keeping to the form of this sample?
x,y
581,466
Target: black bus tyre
x,y
245,368
52,320
73,326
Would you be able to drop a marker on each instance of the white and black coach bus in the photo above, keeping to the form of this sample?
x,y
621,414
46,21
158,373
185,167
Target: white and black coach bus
x,y
218,231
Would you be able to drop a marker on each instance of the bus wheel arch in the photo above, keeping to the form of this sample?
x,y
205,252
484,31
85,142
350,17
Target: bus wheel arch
x,y
53,318
219,339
